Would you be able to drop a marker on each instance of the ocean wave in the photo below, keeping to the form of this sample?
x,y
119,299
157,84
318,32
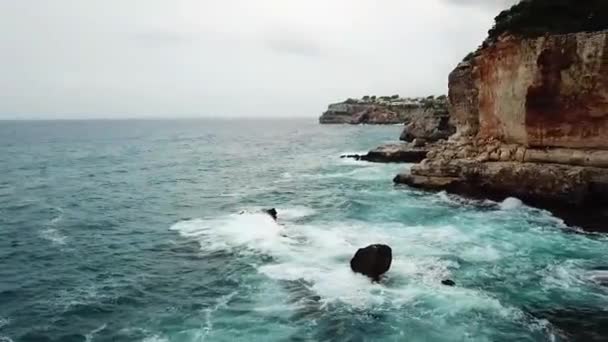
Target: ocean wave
x,y
91,335
510,203
569,275
52,233
4,322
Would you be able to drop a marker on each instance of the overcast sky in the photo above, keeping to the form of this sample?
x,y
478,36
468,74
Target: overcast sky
x,y
226,58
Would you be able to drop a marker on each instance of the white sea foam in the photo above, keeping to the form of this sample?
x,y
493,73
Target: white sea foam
x,y
319,255
481,253
54,236
294,213
565,275
257,231
52,233
510,203
155,338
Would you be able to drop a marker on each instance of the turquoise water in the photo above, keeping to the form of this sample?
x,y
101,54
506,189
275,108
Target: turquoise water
x,y
130,231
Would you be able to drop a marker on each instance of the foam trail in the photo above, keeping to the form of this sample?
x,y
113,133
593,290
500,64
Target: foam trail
x,y
57,218
54,236
91,335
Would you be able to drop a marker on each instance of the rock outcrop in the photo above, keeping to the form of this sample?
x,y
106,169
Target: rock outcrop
x,y
429,127
394,153
531,113
372,261
386,110
272,212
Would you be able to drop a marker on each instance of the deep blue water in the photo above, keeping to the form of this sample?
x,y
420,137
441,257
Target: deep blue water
x,y
130,231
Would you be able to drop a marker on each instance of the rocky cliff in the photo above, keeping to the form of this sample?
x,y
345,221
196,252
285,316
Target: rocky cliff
x,y
547,92
531,112
384,110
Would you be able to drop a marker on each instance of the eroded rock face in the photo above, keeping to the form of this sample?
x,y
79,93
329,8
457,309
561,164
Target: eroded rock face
x,y
372,261
429,127
464,101
549,91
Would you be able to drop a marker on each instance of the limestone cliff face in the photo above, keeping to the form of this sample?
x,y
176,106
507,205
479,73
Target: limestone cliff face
x,y
464,100
550,91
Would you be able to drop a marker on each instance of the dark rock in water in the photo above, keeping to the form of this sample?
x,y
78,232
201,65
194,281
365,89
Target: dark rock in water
x,y
448,282
392,153
372,261
272,212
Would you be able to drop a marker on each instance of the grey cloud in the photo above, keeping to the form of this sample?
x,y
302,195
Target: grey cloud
x,y
293,45
164,37
116,58
486,4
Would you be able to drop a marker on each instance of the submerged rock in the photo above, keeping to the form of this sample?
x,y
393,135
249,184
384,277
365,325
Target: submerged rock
x,y
372,261
448,282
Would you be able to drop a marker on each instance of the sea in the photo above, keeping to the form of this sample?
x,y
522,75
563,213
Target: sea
x,y
153,230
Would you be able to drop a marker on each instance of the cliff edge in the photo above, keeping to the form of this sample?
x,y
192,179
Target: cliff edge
x,y
530,107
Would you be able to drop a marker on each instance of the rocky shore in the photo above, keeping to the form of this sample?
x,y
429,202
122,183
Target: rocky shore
x,y
531,118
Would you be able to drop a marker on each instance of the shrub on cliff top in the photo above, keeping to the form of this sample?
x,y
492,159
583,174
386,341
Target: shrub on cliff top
x,y
533,18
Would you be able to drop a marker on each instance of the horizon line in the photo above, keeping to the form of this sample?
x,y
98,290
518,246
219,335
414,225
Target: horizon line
x,y
158,118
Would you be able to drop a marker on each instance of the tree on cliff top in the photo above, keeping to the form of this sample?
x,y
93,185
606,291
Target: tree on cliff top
x,y
533,18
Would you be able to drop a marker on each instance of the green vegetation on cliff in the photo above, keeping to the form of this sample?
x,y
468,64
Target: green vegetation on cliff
x,y
533,18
